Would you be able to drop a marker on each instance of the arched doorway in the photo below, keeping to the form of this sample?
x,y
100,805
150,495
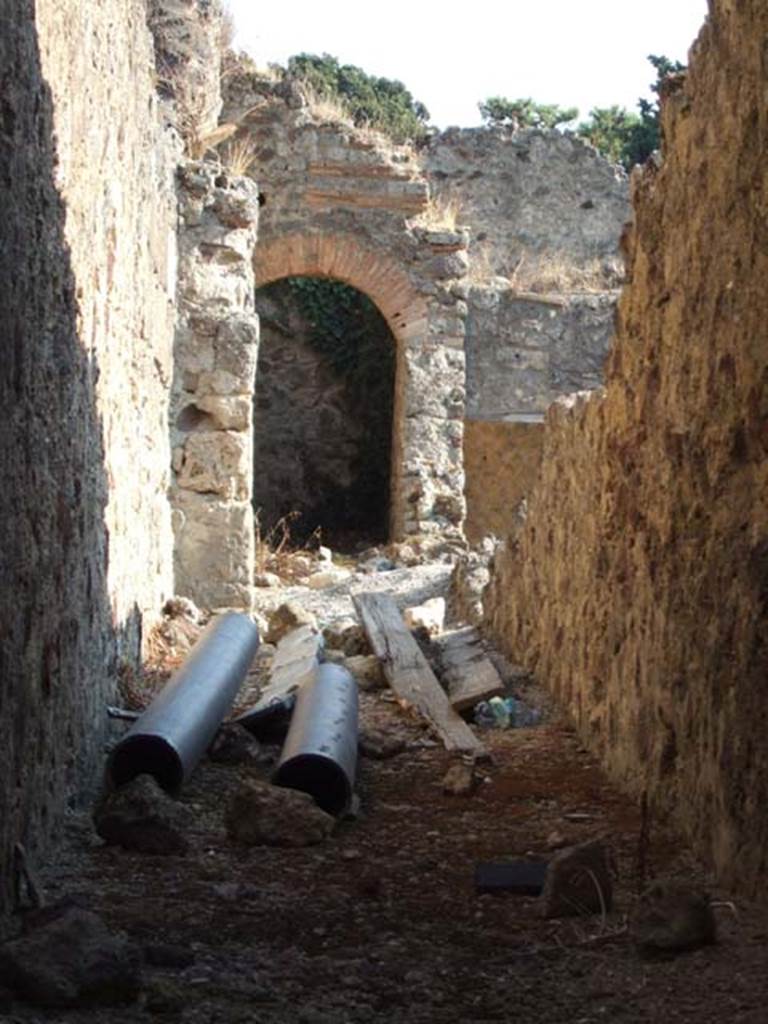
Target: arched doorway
x,y
341,258
322,417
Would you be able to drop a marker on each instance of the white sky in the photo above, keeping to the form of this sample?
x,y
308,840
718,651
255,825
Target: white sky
x,y
582,53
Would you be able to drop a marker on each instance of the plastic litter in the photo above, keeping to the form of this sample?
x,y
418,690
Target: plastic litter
x,y
505,713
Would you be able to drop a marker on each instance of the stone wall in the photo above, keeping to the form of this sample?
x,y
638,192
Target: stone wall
x,y
217,335
528,194
524,350
87,259
637,587
348,205
545,213
501,462
188,43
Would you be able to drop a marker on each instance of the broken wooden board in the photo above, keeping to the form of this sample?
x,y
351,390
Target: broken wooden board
x,y
296,661
408,671
468,674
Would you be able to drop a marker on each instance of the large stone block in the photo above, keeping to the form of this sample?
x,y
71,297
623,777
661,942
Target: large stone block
x,y
214,550
236,346
217,463
228,412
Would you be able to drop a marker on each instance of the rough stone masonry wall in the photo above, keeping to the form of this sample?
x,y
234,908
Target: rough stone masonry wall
x,y
546,212
212,407
637,586
345,204
529,194
87,275
523,351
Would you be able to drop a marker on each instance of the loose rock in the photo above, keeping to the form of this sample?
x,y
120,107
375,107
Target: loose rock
x,y
578,881
379,746
468,581
367,670
347,635
233,744
264,815
429,616
266,579
140,816
672,917
327,578
460,779
182,607
70,958
287,617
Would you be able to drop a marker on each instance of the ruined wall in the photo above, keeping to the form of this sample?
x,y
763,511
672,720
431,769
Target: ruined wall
x,y
217,334
346,204
524,350
87,276
188,41
637,587
530,193
545,212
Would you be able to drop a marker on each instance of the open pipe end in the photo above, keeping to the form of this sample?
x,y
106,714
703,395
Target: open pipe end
x,y
322,778
146,755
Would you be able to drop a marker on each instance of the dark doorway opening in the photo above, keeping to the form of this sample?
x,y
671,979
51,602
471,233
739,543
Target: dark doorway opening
x,y
323,413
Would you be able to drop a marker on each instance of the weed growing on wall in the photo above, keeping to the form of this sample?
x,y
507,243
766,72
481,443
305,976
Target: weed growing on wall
x,y
380,103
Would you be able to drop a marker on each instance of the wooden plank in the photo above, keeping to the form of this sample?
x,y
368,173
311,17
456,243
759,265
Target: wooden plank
x,y
408,671
468,675
468,684
295,663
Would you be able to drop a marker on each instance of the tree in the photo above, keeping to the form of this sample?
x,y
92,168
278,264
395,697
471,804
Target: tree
x,y
613,131
625,137
524,113
383,103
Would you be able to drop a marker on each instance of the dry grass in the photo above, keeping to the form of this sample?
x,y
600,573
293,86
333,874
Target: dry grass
x,y
557,272
441,212
239,155
480,266
166,646
277,552
326,109
195,120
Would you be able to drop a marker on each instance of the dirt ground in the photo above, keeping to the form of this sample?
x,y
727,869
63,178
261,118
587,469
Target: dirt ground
x,y
382,921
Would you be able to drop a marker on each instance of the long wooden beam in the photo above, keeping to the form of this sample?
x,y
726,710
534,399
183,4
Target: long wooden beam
x,y
408,671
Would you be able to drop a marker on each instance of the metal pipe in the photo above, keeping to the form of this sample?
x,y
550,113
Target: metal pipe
x,y
178,726
320,751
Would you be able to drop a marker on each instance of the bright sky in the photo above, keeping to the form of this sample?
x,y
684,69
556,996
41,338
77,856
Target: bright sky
x,y
582,53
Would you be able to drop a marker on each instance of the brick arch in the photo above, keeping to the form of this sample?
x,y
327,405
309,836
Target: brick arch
x,y
426,316
342,258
